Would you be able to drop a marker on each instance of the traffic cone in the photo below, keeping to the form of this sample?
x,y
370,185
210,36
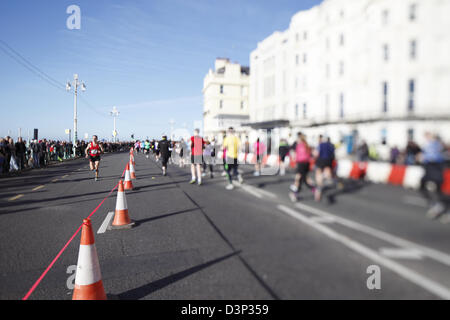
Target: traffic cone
x,y
88,278
132,171
128,183
121,218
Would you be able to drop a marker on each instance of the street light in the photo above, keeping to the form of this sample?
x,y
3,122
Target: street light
x,y
115,114
69,85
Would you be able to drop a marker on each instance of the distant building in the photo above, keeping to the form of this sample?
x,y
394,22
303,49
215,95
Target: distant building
x,y
373,70
225,93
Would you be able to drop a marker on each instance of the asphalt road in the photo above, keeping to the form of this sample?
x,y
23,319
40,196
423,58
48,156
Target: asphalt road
x,y
204,242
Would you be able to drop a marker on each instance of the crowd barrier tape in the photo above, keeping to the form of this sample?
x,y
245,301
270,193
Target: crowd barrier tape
x,y
42,276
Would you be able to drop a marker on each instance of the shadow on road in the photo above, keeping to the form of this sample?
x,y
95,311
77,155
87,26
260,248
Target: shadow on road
x,y
145,290
139,222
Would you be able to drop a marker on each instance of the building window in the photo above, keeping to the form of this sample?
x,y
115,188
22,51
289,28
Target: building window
x,y
341,68
341,14
304,110
296,111
413,49
385,97
341,107
327,104
296,59
412,12
385,17
220,104
341,40
304,58
327,70
410,134
297,37
327,44
242,105
305,35
386,52
221,88
411,94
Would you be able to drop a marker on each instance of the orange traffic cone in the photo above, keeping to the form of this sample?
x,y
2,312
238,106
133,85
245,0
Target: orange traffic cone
x,y
132,171
121,218
88,278
128,183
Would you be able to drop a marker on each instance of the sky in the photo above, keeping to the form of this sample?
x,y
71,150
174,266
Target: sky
x,y
146,57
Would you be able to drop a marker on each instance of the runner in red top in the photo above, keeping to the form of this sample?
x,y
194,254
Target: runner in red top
x,y
197,146
93,151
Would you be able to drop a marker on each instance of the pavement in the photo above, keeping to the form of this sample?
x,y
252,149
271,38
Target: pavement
x,y
205,242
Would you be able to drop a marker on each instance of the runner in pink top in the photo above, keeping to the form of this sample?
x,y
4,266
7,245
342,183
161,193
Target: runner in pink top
x,y
302,158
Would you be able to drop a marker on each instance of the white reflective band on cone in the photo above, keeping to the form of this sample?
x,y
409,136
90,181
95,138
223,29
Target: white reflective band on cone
x,y
121,202
88,268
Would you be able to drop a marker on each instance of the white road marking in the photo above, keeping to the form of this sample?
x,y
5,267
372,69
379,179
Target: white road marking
x,y
323,219
263,192
37,188
404,272
65,176
397,241
401,253
54,180
252,192
106,222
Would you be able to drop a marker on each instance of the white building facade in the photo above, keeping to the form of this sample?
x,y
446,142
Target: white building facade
x,y
225,93
373,70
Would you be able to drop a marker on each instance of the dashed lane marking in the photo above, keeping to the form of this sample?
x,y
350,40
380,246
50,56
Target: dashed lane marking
x,y
401,253
16,197
65,176
106,222
54,180
38,187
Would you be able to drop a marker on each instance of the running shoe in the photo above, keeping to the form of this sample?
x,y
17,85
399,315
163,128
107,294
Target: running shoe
x,y
240,179
293,196
96,179
199,183
229,187
192,181
293,188
435,211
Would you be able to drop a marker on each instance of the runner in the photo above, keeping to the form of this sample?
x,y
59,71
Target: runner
x,y
324,165
259,149
232,144
147,148
164,151
303,157
157,150
93,151
208,158
283,151
197,145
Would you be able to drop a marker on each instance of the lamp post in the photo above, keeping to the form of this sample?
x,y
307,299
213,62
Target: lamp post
x,y
75,85
115,114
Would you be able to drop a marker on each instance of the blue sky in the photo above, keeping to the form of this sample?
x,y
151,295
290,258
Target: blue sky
x,y
148,58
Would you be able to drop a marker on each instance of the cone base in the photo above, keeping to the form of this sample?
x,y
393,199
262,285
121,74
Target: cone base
x,y
94,291
124,226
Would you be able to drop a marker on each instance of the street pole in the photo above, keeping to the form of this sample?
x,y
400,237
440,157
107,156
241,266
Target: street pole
x,y
75,127
75,124
114,113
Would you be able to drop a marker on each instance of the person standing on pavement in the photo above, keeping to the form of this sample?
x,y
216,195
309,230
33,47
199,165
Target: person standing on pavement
x,y
232,145
20,153
197,145
432,157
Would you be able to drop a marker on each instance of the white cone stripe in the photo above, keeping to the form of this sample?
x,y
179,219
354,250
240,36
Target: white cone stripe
x,y
127,176
121,202
88,267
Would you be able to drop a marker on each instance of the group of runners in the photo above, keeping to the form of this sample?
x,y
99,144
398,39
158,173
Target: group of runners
x,y
203,154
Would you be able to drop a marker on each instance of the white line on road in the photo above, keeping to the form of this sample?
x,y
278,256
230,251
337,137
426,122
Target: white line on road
x,y
397,241
106,222
37,188
252,192
404,272
401,253
65,176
